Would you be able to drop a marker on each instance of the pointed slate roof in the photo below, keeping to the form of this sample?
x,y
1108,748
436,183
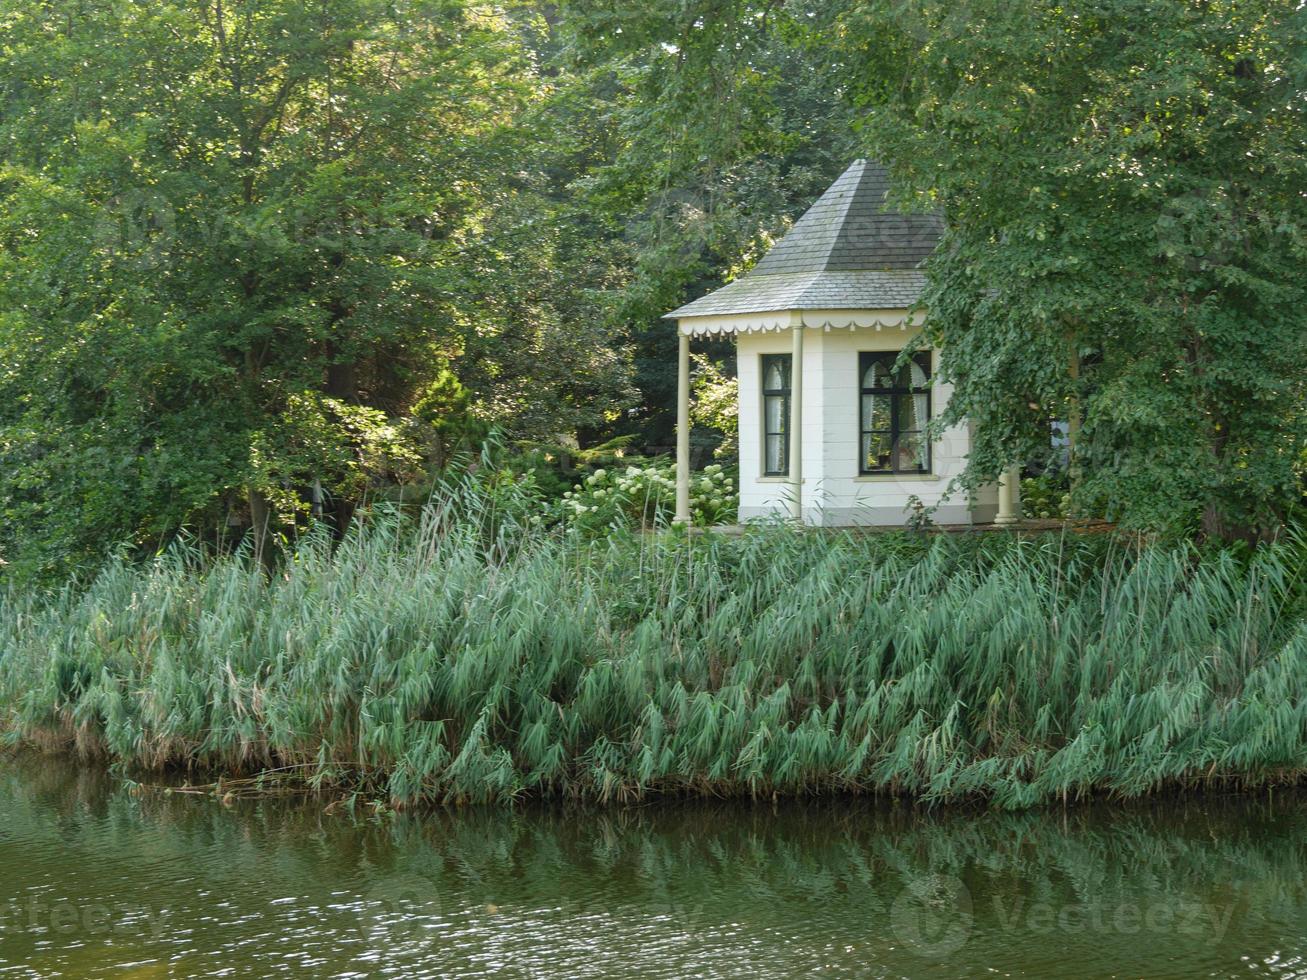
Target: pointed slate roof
x,y
846,252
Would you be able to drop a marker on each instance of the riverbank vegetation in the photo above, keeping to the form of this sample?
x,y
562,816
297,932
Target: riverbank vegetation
x,y
476,656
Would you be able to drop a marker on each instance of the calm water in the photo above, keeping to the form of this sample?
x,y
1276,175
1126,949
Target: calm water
x,y
95,882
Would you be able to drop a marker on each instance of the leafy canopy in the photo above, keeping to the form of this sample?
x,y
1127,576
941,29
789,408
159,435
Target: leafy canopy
x,y
239,239
1123,185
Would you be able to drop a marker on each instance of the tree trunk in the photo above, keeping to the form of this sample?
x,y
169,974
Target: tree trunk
x,y
260,522
1073,424
341,383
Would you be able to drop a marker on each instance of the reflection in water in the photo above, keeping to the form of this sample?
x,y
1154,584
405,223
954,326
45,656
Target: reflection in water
x,y
96,882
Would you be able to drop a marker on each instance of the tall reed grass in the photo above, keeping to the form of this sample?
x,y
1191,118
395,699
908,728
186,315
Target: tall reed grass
x,y
472,657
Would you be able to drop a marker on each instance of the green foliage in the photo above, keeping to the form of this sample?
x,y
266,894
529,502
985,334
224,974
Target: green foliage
x,y
723,127
345,447
1122,187
716,405
274,252
1045,497
241,243
479,657
444,415
645,496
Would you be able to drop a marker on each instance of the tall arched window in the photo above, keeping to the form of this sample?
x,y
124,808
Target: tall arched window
x,y
895,410
776,414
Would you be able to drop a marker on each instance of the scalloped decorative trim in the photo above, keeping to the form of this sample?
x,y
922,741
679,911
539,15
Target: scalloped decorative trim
x,y
700,326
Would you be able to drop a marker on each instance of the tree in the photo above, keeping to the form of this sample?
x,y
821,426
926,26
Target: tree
x,y
1123,191
720,127
239,240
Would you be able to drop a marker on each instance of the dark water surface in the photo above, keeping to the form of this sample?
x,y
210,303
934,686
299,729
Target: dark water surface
x,y
97,882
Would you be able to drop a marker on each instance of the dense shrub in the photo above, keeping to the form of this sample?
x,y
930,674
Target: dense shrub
x,y
646,495
1045,497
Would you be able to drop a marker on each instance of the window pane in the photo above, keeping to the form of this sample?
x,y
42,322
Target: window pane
x,y
911,451
774,413
912,411
919,377
877,374
911,375
875,451
776,372
775,454
875,412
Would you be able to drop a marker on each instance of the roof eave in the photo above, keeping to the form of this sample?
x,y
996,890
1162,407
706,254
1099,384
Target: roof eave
x,y
888,318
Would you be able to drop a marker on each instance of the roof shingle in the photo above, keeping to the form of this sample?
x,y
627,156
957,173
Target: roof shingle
x,y
846,252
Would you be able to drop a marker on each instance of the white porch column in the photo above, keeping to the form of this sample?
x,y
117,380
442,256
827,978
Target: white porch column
x,y
683,430
796,424
1009,482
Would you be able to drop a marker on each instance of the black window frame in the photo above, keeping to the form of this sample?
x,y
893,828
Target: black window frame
x,y
786,361
896,431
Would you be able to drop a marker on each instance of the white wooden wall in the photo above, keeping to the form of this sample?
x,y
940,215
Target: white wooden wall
x,y
833,492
